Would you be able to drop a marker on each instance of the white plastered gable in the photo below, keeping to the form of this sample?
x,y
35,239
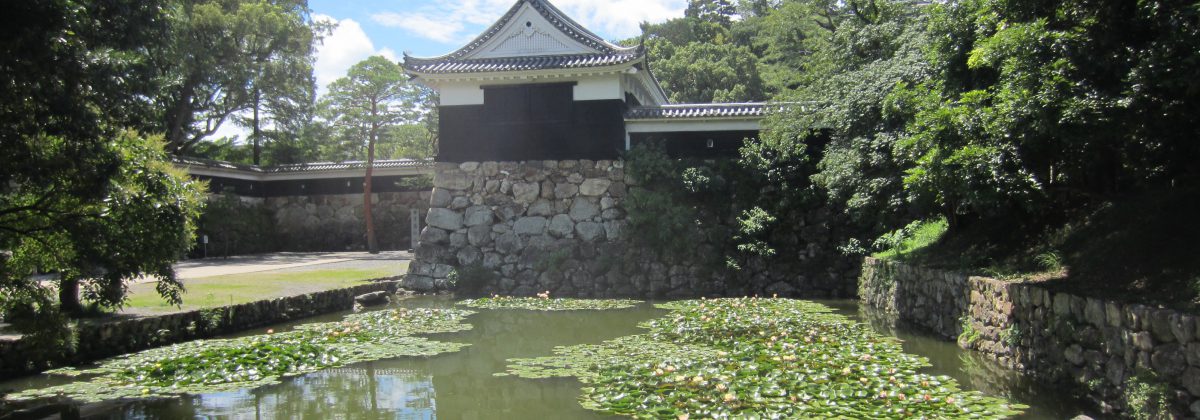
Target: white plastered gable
x,y
526,34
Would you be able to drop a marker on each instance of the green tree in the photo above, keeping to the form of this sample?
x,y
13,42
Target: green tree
x,y
720,12
146,222
842,129
228,57
368,105
702,72
1042,107
80,195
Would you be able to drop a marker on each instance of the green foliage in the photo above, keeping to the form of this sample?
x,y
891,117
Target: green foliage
x,y
74,79
695,60
242,60
471,279
207,366
702,72
374,106
416,183
758,358
660,217
547,303
910,239
1011,335
1147,396
137,224
751,226
969,334
1050,260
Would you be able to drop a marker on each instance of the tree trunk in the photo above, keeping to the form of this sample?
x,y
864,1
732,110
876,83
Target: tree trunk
x,y
372,247
180,117
257,135
68,296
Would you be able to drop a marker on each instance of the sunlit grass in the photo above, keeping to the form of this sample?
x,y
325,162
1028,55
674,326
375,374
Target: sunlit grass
x,y
241,288
912,238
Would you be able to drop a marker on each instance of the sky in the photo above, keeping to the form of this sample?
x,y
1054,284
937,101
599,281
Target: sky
x,y
435,27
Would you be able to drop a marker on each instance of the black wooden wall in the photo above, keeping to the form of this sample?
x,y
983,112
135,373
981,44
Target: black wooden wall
x,y
531,122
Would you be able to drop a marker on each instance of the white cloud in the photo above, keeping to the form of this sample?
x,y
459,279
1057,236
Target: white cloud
x,y
345,47
422,25
456,21
621,18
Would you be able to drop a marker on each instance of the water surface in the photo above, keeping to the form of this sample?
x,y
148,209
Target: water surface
x,y
462,385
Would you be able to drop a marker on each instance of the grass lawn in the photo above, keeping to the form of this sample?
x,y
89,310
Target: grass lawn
x,y
240,288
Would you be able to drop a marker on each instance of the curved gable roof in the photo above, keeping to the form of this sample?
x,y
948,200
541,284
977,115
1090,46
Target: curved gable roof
x,y
465,60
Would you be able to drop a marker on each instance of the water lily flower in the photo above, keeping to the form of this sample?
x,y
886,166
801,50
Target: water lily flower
x,y
729,397
270,331
721,387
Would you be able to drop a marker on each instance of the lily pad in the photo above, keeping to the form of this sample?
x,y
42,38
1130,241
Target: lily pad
x,y
205,366
751,357
548,304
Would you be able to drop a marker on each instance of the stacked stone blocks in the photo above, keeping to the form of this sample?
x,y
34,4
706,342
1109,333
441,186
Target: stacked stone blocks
x,y
1094,344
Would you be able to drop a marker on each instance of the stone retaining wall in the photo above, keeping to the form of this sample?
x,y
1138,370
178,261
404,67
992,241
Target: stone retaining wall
x,y
334,222
99,340
561,226
1100,347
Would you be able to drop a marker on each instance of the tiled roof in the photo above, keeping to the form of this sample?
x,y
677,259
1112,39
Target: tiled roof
x,y
334,166
544,62
685,111
215,164
608,53
301,167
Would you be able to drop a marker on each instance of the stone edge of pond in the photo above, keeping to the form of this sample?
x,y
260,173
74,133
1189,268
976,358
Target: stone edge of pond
x,y
1099,348
548,305
100,340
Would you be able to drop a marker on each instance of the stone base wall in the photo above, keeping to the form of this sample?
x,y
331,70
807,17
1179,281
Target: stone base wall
x,y
99,340
335,222
561,226
1092,344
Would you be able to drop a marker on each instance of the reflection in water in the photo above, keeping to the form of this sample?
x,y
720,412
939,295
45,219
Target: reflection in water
x,y
465,384
462,385
972,370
